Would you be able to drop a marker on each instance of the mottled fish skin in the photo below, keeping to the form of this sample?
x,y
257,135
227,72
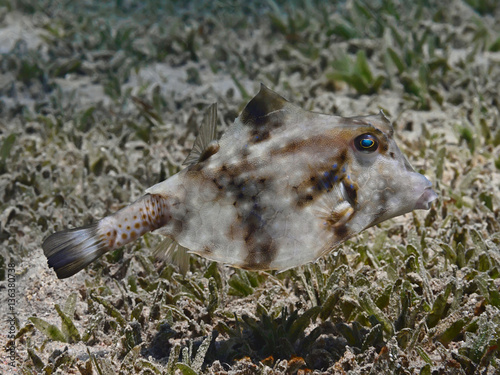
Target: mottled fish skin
x,y
282,187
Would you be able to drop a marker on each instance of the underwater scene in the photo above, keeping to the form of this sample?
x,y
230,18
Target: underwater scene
x,y
250,187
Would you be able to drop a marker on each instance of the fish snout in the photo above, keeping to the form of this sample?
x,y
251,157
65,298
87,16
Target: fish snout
x,y
427,196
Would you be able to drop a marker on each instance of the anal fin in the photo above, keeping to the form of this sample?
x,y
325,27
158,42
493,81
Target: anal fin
x,y
168,250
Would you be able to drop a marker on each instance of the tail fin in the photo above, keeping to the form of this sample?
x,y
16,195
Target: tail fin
x,y
70,251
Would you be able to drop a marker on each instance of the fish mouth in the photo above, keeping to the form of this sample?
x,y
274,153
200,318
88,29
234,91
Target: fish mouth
x,y
425,200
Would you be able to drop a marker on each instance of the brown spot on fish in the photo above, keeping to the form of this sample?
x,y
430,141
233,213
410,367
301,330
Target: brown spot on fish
x,y
304,200
351,192
343,157
124,236
211,149
252,216
320,183
261,251
312,145
260,247
219,186
137,225
341,231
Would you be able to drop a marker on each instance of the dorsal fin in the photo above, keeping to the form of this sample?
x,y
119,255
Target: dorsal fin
x,y
205,144
262,105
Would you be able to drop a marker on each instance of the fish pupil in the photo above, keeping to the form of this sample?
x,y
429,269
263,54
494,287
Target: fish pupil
x,y
366,143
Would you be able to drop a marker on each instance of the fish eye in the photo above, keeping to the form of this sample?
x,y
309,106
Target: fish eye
x,y
366,143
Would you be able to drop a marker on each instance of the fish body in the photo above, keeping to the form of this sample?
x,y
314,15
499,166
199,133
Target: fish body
x,y
282,187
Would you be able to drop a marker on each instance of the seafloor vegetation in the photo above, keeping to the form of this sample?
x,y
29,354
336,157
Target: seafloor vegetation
x,y
101,99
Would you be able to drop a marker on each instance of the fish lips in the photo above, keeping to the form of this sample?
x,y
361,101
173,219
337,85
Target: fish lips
x,y
425,200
